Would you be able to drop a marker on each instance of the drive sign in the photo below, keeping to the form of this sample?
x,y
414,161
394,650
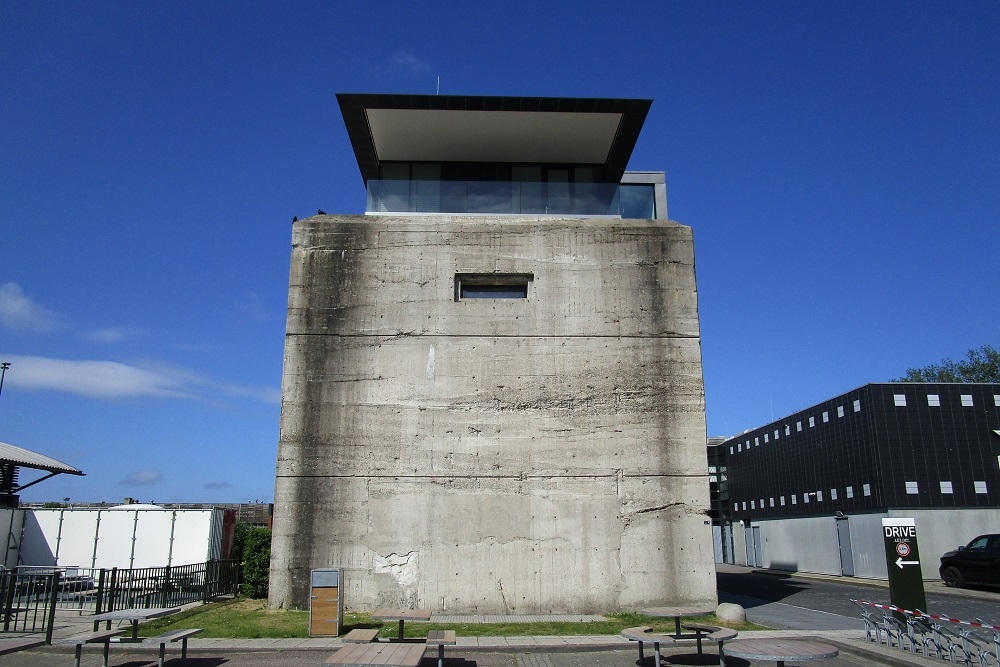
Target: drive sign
x,y
902,558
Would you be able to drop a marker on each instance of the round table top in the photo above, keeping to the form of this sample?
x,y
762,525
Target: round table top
x,y
678,610
779,649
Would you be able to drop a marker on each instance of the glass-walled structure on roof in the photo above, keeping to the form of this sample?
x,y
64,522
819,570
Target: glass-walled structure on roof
x,y
501,156
511,189
556,198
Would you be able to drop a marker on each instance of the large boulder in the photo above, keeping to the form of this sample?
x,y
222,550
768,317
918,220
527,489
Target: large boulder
x,y
734,613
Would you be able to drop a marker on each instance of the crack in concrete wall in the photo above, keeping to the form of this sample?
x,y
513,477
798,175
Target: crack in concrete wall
x,y
403,568
657,508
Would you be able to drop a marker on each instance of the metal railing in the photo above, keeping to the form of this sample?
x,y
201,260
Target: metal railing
x,y
973,643
165,586
27,601
30,596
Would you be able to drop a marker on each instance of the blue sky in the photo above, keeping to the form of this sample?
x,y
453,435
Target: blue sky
x,y
838,162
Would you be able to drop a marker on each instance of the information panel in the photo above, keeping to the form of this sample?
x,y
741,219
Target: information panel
x,y
906,584
326,604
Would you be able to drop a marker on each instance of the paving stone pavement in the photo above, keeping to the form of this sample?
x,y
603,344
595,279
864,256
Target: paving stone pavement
x,y
853,653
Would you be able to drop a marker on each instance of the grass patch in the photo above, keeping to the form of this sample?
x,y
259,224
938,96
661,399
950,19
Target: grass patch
x,y
244,618
237,618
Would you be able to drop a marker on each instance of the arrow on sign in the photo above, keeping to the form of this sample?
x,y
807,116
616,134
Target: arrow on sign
x,y
900,562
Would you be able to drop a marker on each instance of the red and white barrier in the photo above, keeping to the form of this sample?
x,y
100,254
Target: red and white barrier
x,y
920,614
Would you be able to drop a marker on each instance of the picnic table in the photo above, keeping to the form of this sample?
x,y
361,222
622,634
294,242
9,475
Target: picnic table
x,y
402,615
677,611
134,616
382,654
779,650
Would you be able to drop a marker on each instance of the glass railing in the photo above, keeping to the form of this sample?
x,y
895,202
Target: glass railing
x,y
505,198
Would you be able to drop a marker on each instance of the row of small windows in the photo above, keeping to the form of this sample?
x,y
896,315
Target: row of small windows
x,y
946,487
866,489
911,488
899,400
934,400
788,428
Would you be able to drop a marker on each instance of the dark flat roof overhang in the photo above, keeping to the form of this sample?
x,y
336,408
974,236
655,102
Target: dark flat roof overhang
x,y
458,128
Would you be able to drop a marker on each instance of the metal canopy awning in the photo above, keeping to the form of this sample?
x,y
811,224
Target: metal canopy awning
x,y
13,458
456,128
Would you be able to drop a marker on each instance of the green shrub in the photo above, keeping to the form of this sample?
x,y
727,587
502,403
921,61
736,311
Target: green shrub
x,y
252,549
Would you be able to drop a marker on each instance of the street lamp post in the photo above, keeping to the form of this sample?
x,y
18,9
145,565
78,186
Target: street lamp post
x,y
4,365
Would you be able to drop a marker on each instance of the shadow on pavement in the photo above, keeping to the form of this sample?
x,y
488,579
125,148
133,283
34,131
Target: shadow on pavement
x,y
706,658
768,588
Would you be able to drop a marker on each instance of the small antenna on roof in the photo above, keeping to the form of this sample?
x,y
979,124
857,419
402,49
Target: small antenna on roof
x,y
439,86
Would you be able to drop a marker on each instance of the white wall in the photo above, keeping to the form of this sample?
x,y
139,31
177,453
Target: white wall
x,y
944,530
868,546
120,537
11,520
739,545
152,539
810,544
187,551
114,536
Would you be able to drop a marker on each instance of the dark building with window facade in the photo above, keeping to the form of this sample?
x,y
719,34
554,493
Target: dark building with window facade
x,y
815,484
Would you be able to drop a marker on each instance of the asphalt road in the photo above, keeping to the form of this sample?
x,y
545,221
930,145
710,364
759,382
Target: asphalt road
x,y
833,595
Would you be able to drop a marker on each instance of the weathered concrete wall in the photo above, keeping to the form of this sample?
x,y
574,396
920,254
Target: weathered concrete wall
x,y
493,455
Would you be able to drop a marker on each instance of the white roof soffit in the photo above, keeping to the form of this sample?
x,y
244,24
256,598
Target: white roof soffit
x,y
433,135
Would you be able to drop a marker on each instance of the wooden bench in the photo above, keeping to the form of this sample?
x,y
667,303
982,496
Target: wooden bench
x,y
96,637
642,634
382,654
361,636
442,638
19,644
714,633
172,636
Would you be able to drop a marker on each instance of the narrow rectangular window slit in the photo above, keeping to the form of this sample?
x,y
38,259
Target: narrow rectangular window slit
x,y
492,285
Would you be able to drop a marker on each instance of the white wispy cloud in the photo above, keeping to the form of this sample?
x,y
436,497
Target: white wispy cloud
x,y
252,307
18,311
113,334
409,64
115,380
142,478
